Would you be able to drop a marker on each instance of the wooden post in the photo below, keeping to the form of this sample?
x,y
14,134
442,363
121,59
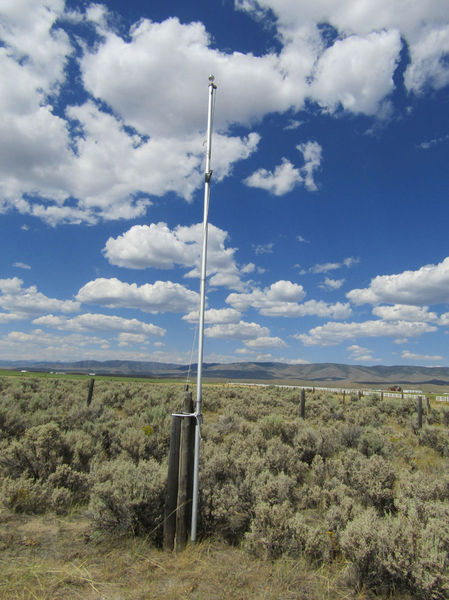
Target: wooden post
x,y
344,396
419,412
171,493
91,391
185,481
302,405
428,404
381,396
359,394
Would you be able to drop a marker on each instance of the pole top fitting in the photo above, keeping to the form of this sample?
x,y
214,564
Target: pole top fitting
x,y
211,78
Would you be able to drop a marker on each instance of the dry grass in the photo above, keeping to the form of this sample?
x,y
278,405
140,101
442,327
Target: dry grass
x,y
51,558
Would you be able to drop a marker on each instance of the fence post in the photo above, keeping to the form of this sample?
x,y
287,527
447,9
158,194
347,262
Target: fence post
x,y
359,393
381,396
185,480
91,391
428,404
419,412
302,405
171,493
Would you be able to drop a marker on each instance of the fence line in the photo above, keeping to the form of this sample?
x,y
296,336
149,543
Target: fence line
x,y
386,393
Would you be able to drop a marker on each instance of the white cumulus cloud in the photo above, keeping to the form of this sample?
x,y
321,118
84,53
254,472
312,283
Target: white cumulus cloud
x,y
357,72
111,156
29,301
215,316
278,182
158,246
237,331
161,296
99,322
427,285
413,356
361,354
403,312
263,342
283,299
331,284
132,339
332,333
286,176
278,294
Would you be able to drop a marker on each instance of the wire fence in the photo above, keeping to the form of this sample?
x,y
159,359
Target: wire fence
x,y
410,394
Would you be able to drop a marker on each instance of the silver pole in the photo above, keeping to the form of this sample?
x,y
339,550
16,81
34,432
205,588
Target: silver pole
x,y
198,407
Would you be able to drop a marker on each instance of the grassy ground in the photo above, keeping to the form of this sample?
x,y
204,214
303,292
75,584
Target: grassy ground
x,y
52,558
27,375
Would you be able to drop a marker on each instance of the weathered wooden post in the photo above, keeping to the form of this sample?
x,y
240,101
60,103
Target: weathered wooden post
x,y
381,396
185,479
359,394
91,391
419,412
302,405
171,493
428,405
344,396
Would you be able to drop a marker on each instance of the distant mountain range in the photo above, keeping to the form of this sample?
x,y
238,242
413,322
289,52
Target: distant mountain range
x,y
318,373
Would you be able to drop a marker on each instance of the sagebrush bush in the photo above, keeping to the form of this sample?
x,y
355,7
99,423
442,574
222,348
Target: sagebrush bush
x,y
128,498
372,441
435,438
76,483
398,553
350,435
25,495
37,454
307,443
271,533
355,481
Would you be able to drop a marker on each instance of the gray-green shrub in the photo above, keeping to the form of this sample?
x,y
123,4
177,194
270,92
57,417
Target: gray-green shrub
x,y
128,498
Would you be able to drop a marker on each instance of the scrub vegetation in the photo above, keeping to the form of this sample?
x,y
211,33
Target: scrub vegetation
x,y
351,502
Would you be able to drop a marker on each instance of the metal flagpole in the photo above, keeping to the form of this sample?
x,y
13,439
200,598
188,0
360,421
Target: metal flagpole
x,y
197,414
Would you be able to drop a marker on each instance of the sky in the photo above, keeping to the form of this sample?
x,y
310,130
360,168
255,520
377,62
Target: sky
x,y
328,220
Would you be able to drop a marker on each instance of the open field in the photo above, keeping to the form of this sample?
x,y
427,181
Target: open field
x,y
334,375
85,377
352,502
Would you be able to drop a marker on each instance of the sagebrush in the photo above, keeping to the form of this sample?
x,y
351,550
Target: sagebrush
x,y
355,482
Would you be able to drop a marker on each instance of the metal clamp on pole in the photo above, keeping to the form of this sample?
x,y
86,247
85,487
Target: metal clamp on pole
x,y
198,418
183,415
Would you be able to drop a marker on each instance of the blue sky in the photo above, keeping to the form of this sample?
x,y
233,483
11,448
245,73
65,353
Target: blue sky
x,y
328,238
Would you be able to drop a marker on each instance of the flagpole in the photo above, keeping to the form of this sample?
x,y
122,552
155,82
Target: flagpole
x,y
198,406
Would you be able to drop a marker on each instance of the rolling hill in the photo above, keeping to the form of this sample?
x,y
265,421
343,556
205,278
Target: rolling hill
x,y
318,373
